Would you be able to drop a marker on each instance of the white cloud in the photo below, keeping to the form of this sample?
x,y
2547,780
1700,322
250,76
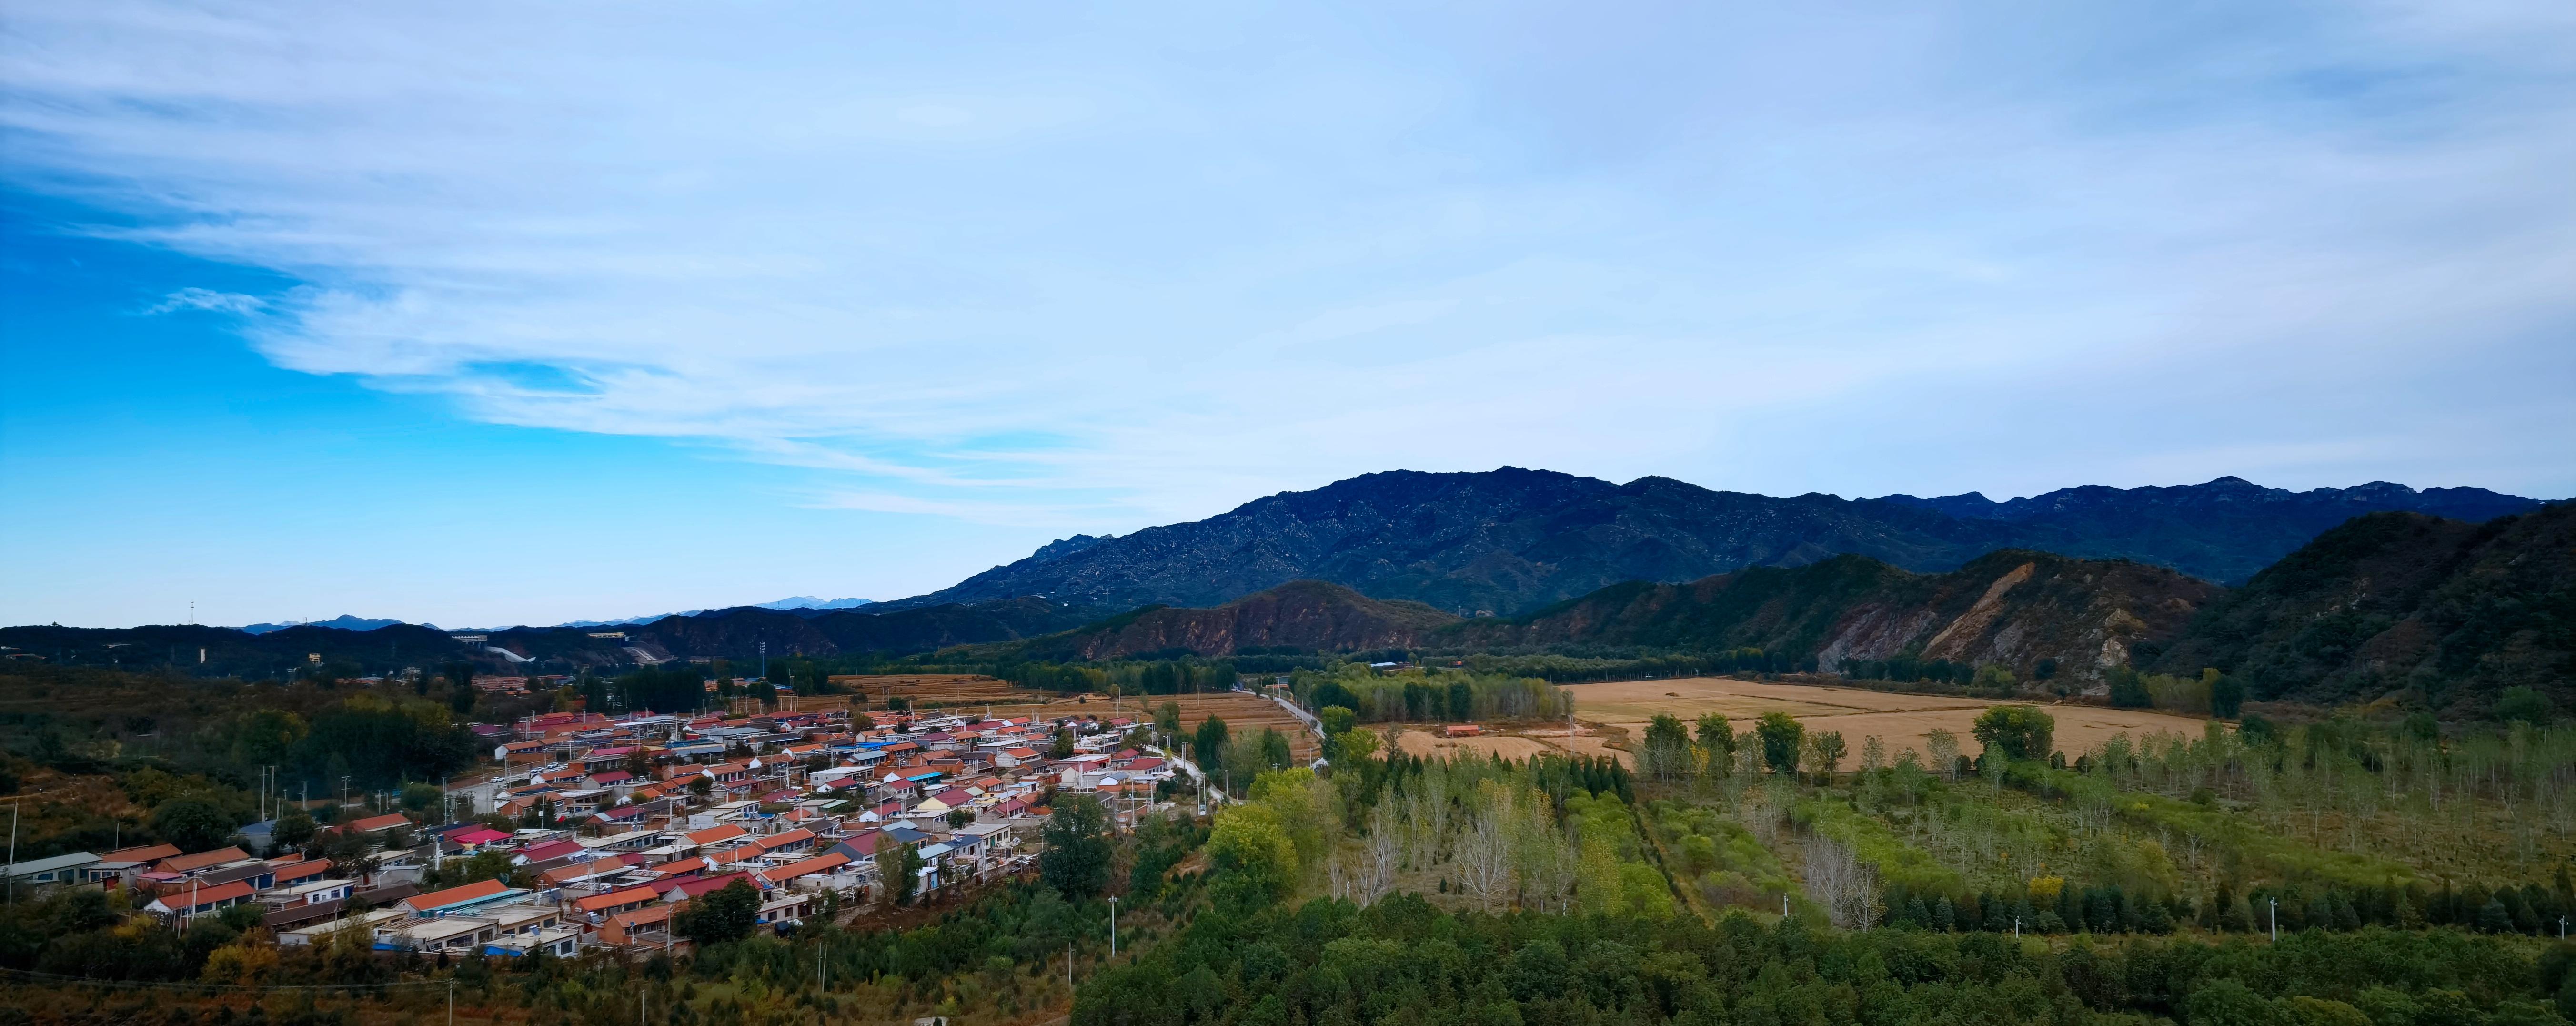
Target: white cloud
x,y
1106,268
207,300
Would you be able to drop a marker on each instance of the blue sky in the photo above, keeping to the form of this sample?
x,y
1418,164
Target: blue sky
x,y
519,313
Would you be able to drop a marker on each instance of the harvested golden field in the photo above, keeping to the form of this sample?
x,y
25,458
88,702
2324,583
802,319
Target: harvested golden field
x,y
926,690
1900,720
1426,741
1243,714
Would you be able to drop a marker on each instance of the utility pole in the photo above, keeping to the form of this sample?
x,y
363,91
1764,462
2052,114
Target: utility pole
x,y
1113,926
2275,904
2016,927
13,853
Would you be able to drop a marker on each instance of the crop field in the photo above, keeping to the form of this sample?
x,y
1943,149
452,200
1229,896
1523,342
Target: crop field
x,y
1900,720
1425,740
1243,714
931,690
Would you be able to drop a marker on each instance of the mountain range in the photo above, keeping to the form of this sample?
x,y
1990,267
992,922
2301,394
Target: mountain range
x,y
1508,541
2322,596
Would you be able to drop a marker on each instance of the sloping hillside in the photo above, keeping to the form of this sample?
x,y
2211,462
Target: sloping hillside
x,y
2400,602
2011,608
1301,614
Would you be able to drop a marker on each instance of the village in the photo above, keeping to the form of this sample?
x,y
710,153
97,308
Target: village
x,y
596,831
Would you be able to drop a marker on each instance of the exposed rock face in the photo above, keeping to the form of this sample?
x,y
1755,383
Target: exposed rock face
x,y
1301,614
1511,540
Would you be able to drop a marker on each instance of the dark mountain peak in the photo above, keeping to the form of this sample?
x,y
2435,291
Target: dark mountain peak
x,y
1062,547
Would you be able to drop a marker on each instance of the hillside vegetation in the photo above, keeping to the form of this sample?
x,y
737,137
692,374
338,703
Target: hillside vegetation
x,y
2448,612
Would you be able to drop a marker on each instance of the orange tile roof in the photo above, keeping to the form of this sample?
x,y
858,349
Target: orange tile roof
x,y
776,841
452,895
146,853
614,899
200,860
183,898
712,835
808,867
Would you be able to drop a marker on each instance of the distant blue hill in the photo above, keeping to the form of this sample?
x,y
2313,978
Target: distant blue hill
x,y
343,621
359,623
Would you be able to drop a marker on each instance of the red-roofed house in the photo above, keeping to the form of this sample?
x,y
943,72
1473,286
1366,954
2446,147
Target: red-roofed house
x,y
191,865
809,867
614,902
547,852
188,900
717,835
675,893
434,902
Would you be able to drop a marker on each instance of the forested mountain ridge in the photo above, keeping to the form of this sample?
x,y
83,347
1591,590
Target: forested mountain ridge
x,y
2225,530
1511,540
2454,612
2011,608
1311,615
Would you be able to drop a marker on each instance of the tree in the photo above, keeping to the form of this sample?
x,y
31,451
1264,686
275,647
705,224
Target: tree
x,y
2129,689
1667,750
1208,745
1827,750
1275,753
1782,736
1063,746
1252,860
2523,705
194,824
725,914
899,865
1167,718
959,818
2226,694
2018,731
293,828
1077,857
1716,743
1943,747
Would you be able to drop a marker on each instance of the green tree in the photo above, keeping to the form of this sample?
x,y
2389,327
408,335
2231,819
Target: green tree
x,y
2018,731
2520,704
1167,718
1208,745
1717,744
1828,750
1782,738
1063,746
1077,858
1275,753
2226,694
1251,857
1667,750
725,914
294,827
194,824
899,865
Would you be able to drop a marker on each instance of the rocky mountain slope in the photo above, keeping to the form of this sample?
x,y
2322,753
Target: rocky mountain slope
x,y
2450,613
1512,540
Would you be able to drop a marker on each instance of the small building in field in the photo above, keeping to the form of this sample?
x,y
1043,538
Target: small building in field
x,y
1461,730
